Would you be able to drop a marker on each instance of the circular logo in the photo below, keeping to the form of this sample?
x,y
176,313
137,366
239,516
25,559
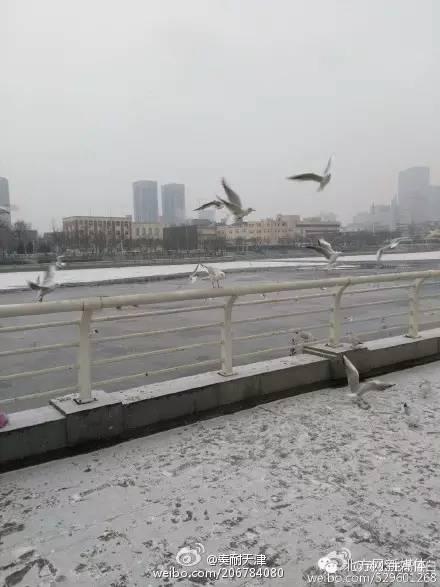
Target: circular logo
x,y
188,557
334,561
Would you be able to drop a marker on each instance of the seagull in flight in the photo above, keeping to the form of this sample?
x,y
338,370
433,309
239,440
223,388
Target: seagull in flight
x,y
212,204
390,246
215,275
233,203
7,209
324,248
47,285
323,179
59,262
358,390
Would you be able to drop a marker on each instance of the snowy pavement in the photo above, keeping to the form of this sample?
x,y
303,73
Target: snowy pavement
x,y
289,481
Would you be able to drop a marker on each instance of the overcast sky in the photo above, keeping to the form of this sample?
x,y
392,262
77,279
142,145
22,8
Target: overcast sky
x,y
96,94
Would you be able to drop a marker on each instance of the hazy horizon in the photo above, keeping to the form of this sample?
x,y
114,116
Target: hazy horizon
x,y
100,94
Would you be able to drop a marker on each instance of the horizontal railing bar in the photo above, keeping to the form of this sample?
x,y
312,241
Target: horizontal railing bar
x,y
154,332
280,300
39,349
276,316
155,352
369,304
39,372
358,320
39,394
157,372
352,292
99,303
38,326
276,332
270,350
115,317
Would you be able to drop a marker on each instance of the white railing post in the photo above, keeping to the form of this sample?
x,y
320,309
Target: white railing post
x,y
226,338
414,308
335,321
84,359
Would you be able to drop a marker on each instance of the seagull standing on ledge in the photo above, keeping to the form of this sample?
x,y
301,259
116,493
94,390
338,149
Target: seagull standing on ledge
x,y
412,416
47,285
324,248
233,203
323,179
390,246
357,389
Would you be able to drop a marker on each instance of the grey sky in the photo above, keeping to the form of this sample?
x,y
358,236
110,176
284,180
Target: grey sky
x,y
99,93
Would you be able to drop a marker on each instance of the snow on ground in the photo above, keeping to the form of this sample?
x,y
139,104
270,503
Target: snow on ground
x,y
18,280
290,480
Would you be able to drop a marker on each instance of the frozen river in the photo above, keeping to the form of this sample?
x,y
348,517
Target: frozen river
x,y
17,280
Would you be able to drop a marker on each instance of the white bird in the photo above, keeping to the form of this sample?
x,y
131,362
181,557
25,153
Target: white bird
x,y
233,203
412,416
47,285
324,248
425,388
323,179
390,246
358,390
59,262
215,275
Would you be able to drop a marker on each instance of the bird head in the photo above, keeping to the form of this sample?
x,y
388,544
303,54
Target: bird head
x,y
249,210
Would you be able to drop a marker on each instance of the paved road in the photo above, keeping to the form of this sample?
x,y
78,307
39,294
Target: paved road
x,y
374,319
290,480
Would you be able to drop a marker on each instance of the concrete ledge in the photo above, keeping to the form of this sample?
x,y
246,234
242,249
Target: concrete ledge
x,y
31,433
97,420
65,424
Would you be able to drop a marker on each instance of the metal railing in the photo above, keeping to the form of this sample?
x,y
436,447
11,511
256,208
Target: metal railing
x,y
226,300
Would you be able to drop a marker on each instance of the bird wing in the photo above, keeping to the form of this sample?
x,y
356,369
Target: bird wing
x,y
231,207
329,164
352,375
316,248
49,276
234,198
307,177
33,285
327,249
213,203
379,254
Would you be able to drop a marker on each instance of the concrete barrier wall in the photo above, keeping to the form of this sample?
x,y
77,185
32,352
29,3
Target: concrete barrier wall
x,y
42,432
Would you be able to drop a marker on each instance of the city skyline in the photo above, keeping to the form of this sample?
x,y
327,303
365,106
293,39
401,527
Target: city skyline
x,y
83,115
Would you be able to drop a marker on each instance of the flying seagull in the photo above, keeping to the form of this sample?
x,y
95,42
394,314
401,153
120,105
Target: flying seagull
x,y
47,285
324,248
392,245
359,389
233,203
212,204
7,209
59,262
323,179
214,274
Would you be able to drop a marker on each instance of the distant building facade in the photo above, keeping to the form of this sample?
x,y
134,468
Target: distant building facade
x,y
173,203
193,237
413,195
283,229
96,231
145,201
5,217
207,214
146,230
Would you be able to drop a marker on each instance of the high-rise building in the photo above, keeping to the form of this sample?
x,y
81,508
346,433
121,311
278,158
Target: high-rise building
x,y
414,195
173,203
145,201
5,216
